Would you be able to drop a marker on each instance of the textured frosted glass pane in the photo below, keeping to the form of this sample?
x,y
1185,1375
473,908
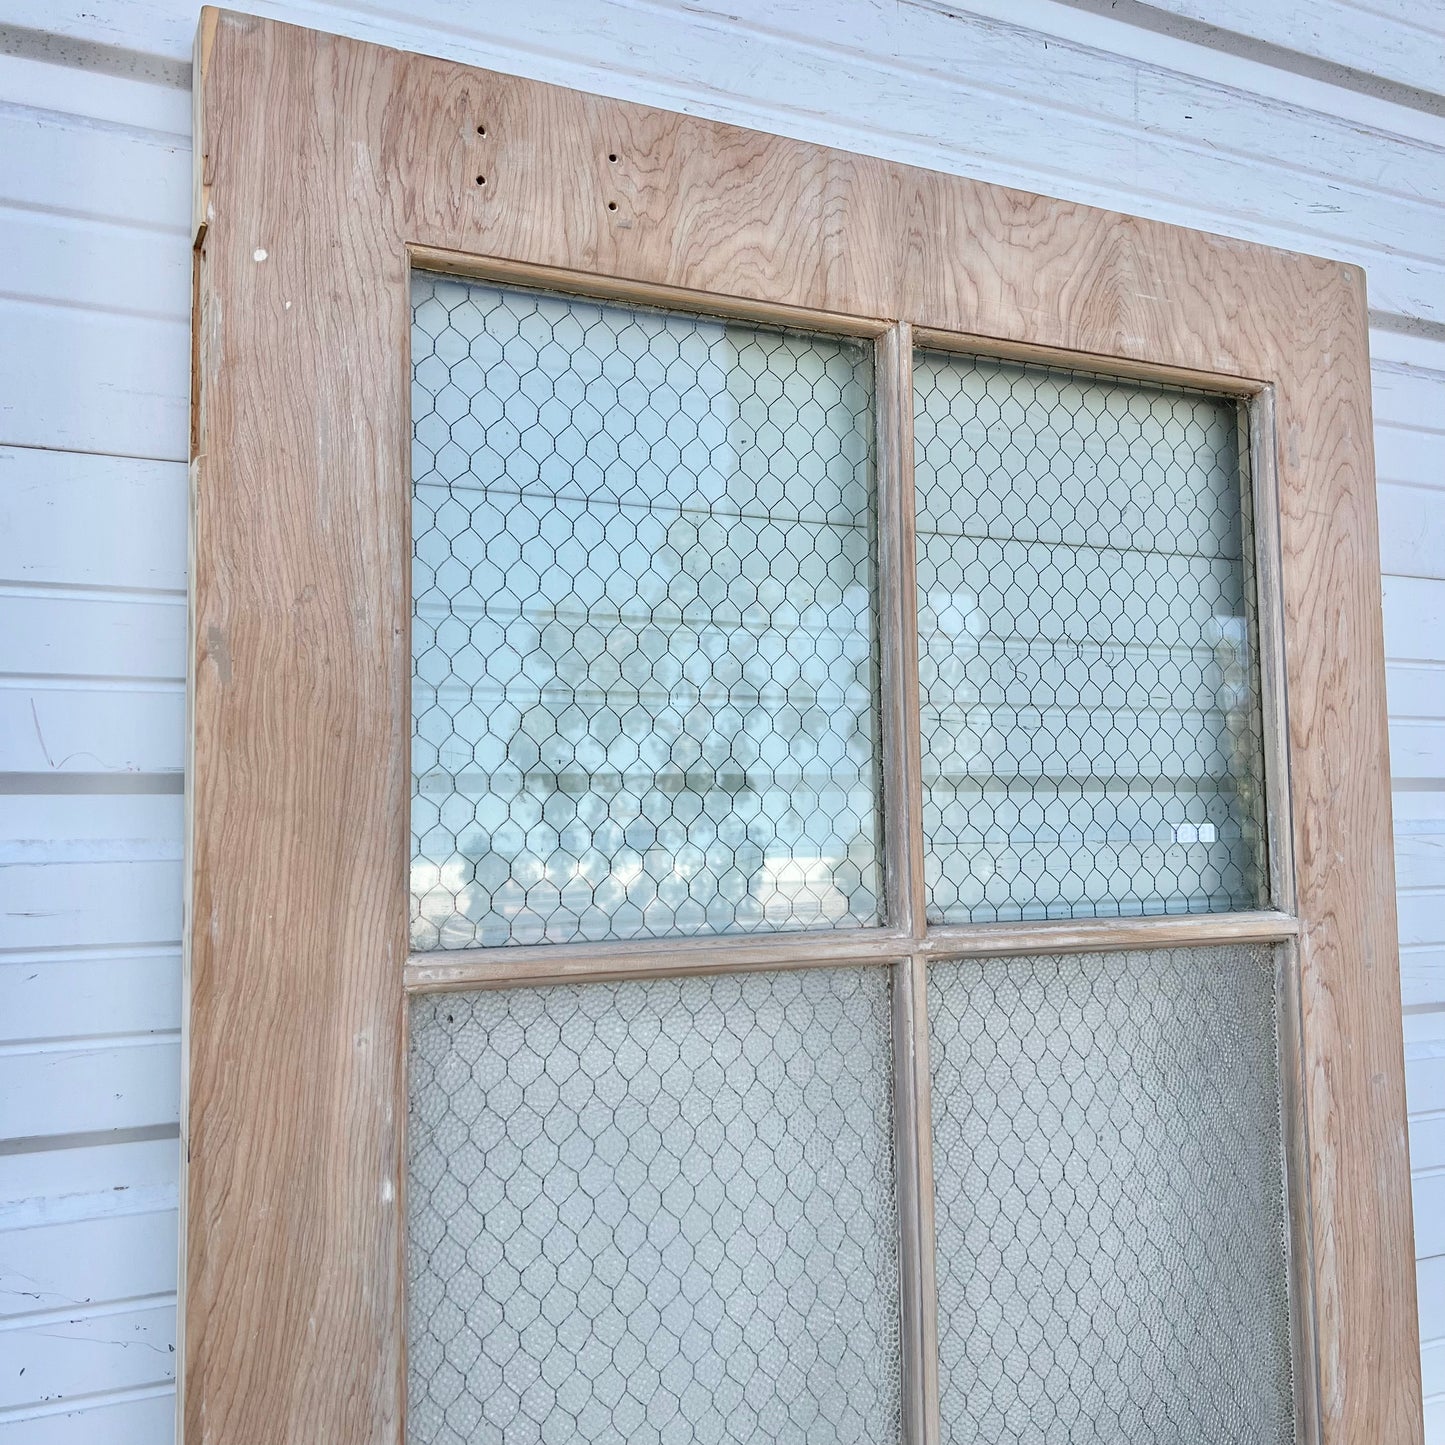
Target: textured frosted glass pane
x,y
656,1213
1091,738
1110,1199
644,692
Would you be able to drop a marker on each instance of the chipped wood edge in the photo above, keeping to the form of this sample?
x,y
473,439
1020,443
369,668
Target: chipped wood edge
x,y
205,42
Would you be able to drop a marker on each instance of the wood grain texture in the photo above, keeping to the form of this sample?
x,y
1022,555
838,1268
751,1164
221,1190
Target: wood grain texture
x,y
1299,1244
1090,935
898,624
917,1231
322,162
531,964
1351,1046
299,786
1265,580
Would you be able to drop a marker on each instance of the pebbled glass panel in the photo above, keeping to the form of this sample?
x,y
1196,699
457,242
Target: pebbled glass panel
x,y
1109,1199
658,1213
1091,734
645,687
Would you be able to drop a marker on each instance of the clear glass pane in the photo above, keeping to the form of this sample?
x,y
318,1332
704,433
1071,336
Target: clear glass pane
x,y
1110,1199
654,1212
645,697
1091,736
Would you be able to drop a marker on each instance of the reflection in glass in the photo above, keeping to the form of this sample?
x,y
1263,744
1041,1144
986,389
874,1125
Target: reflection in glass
x,y
644,693
1091,733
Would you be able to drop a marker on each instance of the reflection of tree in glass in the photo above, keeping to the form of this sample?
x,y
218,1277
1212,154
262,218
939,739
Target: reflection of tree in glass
x,y
1091,741
645,658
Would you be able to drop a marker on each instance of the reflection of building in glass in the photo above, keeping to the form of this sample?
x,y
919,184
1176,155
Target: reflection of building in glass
x,y
1091,736
645,682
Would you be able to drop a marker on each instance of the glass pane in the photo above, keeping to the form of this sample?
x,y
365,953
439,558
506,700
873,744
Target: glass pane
x,y
654,1212
1091,737
1110,1200
645,697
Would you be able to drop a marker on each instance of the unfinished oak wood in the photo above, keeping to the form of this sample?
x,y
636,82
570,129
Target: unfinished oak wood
x,y
913,1130
593,287
1105,368
898,623
1304,1341
1094,935
1361,1227
534,963
1263,576
299,788
323,165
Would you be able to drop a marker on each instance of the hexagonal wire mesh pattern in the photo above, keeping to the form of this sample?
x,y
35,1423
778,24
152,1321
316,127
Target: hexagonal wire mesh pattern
x,y
645,656
1110,1199
1091,727
654,1211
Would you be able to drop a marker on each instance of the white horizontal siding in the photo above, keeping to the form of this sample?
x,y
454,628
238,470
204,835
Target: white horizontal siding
x,y
1410,402
67,1265
1393,40
79,519
82,1351
1263,127
1409,386
142,1415
59,725
95,1178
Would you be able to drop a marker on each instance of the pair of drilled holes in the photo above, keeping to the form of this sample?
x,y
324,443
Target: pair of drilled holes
x,y
612,158
481,130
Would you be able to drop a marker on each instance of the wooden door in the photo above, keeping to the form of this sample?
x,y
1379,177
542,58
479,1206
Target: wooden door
x,y
976,879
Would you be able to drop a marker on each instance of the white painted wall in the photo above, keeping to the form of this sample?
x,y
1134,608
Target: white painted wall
x,y
1317,125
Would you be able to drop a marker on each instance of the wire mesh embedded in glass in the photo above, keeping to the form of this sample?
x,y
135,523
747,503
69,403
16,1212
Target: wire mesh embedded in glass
x,y
654,1213
1109,1197
1086,614
646,704
645,686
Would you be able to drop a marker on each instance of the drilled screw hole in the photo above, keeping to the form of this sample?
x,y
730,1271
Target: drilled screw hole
x,y
481,180
612,205
481,130
613,158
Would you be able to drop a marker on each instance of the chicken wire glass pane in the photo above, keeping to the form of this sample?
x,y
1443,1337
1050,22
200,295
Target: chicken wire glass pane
x,y
645,697
1091,733
1110,1200
654,1211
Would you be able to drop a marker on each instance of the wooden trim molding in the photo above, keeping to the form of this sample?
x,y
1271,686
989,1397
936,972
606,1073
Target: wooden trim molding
x,y
324,168
532,964
914,1132
1092,935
